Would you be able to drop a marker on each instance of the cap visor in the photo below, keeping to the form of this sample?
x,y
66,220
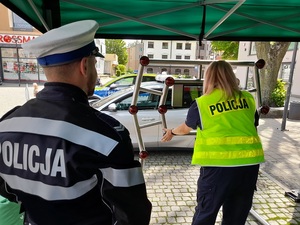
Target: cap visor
x,y
99,55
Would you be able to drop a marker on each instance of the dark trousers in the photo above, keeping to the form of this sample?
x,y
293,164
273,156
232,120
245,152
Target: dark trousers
x,y
230,187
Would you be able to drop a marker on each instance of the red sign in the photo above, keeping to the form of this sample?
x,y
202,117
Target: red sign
x,y
12,39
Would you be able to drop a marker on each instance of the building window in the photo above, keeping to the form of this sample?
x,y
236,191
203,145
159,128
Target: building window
x,y
165,45
164,70
177,71
150,56
179,46
178,56
186,72
164,56
150,44
188,46
20,24
202,47
17,63
292,46
149,70
285,71
187,57
252,48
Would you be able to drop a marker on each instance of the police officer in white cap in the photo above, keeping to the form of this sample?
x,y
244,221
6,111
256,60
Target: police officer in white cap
x,y
65,162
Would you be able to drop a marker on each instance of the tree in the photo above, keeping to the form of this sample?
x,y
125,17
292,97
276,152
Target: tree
x,y
122,68
118,47
229,49
272,53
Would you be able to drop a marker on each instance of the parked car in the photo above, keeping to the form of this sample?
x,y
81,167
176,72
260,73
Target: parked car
x,y
94,98
120,83
117,104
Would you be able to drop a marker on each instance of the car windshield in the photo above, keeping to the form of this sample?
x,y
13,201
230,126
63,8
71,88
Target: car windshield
x,y
111,97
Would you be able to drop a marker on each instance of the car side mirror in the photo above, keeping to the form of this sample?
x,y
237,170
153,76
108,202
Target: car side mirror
x,y
112,107
113,86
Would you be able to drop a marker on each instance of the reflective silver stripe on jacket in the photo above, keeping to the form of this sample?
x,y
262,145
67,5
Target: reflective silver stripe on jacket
x,y
61,129
123,177
50,192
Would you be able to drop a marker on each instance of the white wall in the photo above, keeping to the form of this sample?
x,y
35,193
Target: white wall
x,y
171,52
100,43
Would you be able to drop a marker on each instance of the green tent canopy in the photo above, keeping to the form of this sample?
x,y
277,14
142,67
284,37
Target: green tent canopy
x,y
229,20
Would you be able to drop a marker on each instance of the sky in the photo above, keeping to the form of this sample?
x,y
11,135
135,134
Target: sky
x,y
129,41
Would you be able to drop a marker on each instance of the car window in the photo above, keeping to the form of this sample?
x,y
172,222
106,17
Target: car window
x,y
190,93
145,100
125,81
146,79
185,95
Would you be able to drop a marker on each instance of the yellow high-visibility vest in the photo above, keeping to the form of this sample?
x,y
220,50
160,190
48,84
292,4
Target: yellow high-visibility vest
x,y
228,136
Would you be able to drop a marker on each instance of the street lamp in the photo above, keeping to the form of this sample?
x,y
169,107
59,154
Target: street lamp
x,y
16,39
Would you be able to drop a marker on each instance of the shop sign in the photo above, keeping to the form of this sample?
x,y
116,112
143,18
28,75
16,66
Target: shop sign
x,y
11,39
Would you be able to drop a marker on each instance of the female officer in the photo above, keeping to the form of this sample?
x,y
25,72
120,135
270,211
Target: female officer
x,y
227,147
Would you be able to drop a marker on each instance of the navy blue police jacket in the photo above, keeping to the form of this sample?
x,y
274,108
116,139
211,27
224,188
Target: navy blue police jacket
x,y
67,163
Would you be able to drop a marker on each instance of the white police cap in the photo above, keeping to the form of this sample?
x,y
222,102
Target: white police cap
x,y
65,44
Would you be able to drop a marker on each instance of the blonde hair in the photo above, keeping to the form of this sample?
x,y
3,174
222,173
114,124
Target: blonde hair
x,y
219,74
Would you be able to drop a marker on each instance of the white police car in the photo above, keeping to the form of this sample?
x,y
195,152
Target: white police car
x,y
117,104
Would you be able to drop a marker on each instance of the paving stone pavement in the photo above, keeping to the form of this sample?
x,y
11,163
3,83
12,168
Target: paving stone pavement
x,y
171,179
171,185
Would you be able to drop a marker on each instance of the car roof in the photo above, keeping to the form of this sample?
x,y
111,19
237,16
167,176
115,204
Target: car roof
x,y
152,84
125,76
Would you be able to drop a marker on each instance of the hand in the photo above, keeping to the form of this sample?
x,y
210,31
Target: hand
x,y
167,135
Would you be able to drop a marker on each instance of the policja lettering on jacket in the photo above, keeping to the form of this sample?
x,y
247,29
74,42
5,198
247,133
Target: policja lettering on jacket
x,y
59,154
32,159
230,105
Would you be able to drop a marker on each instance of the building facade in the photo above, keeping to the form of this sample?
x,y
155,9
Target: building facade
x,y
15,66
134,54
110,64
247,51
169,50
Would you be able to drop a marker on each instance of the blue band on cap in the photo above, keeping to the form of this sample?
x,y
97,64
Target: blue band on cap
x,y
62,58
